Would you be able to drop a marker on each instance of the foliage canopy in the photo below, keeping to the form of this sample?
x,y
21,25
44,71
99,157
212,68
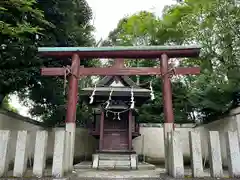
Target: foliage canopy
x,y
213,24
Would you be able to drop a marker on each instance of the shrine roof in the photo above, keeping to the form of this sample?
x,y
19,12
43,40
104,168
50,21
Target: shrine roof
x,y
123,89
123,51
125,80
117,91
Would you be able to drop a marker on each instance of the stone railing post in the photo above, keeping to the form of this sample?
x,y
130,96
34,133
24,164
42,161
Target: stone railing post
x,y
40,153
233,154
20,162
59,154
176,160
215,156
196,154
4,148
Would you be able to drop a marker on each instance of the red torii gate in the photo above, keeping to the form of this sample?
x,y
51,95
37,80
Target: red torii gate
x,y
149,52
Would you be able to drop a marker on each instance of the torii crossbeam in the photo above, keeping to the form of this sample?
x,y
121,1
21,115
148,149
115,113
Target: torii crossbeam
x,y
143,71
149,52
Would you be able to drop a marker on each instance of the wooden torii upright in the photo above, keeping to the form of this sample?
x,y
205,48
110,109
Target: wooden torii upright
x,y
150,52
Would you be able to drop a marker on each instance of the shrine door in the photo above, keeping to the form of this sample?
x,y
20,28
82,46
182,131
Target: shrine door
x,y
115,132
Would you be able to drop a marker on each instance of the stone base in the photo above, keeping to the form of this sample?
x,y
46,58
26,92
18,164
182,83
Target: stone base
x,y
83,165
95,161
110,161
88,165
146,166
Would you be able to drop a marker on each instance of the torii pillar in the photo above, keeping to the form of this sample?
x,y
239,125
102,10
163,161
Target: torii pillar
x,y
72,97
71,110
167,106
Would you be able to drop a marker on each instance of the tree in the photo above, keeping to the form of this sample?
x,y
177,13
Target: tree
x,y
143,28
37,24
213,24
71,27
6,105
137,29
20,21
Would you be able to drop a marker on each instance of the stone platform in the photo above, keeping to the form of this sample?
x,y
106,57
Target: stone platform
x,y
83,170
88,165
92,174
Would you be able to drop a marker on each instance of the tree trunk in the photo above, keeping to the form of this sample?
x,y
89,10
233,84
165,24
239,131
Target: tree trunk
x,y
1,99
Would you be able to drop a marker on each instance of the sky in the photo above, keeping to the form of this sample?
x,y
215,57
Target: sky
x,y
106,14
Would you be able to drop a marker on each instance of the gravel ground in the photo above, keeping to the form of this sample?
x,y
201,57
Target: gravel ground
x,y
90,174
162,177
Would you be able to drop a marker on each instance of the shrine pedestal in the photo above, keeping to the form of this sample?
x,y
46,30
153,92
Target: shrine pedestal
x,y
115,161
168,127
70,141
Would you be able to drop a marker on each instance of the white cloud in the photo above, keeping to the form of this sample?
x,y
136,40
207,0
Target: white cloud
x,y
107,13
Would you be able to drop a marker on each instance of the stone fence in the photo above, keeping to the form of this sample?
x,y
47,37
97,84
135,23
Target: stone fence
x,y
19,137
85,144
61,155
61,165
151,142
175,165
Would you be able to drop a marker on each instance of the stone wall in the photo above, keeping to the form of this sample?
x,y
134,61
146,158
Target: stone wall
x,y
151,144
84,147
229,123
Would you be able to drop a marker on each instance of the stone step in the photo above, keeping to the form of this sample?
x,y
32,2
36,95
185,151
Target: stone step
x,y
114,164
114,168
114,157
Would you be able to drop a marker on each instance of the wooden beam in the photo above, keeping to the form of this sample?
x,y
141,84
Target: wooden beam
x,y
73,91
119,71
128,54
167,91
52,71
148,52
101,138
187,70
130,130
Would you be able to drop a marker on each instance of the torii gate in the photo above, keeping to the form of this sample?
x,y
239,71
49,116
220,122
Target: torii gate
x,y
149,52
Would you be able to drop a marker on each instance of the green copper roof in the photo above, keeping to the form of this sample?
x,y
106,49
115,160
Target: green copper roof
x,y
116,48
